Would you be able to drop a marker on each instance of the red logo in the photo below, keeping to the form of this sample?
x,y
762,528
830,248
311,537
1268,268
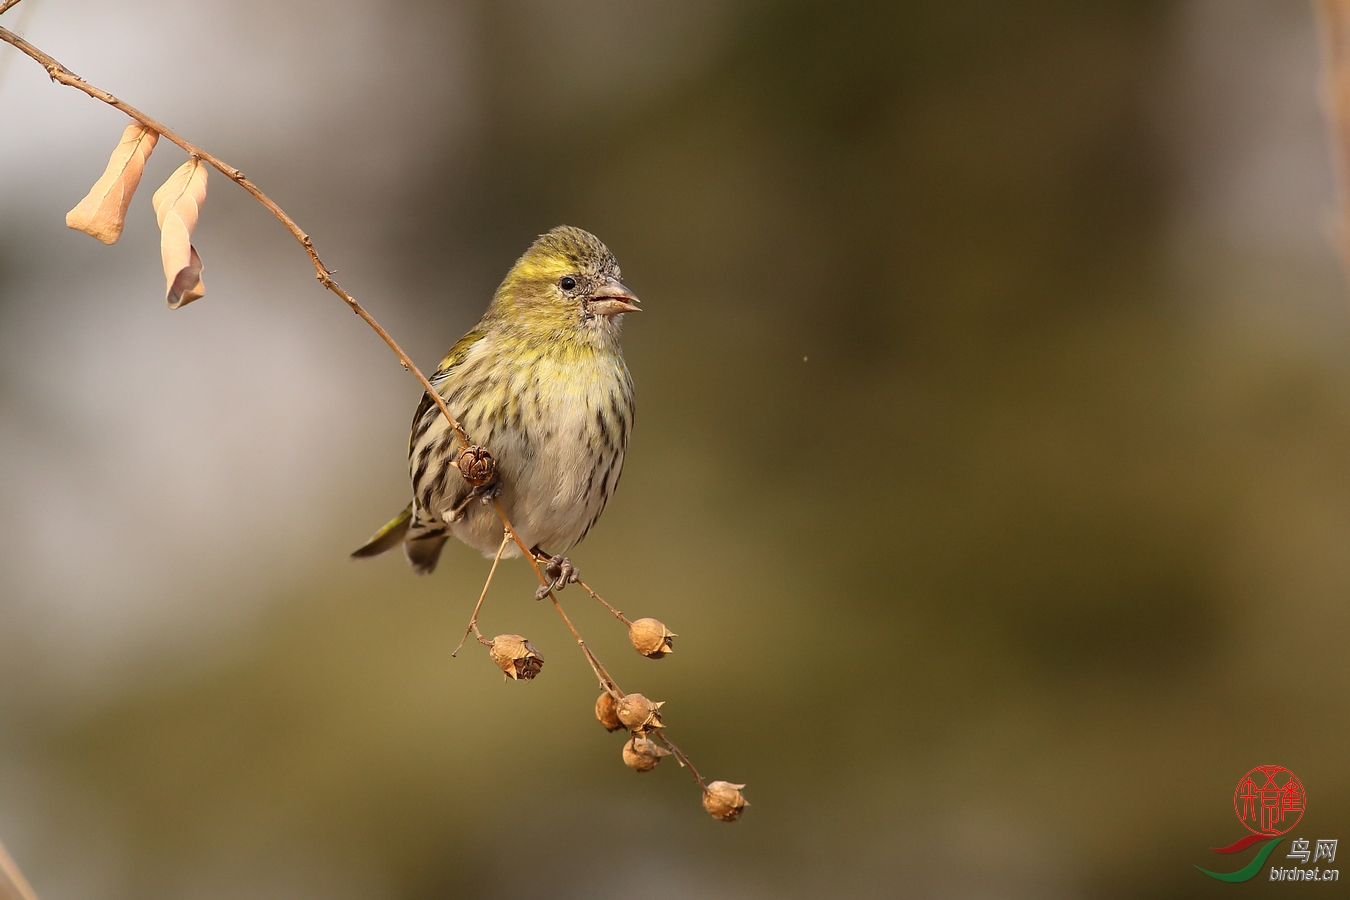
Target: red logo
x,y
1269,800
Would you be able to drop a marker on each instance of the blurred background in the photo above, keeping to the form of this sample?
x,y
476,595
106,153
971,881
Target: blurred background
x,y
991,458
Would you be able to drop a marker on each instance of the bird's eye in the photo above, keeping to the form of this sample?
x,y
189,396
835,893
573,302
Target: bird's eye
x,y
567,283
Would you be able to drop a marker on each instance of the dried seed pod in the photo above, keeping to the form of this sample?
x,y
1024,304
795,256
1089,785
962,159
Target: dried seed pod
x,y
638,713
516,656
476,465
651,638
641,753
607,711
724,800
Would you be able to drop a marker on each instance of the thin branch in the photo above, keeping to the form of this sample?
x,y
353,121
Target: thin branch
x,y
681,758
606,682
13,886
473,620
63,75
5,7
618,615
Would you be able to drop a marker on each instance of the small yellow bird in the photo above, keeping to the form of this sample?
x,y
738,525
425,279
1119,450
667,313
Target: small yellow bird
x,y
541,383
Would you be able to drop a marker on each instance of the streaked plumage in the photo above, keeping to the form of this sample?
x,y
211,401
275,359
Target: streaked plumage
x,y
541,383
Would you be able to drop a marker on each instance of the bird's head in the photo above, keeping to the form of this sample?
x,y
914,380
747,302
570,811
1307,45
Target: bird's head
x,y
565,286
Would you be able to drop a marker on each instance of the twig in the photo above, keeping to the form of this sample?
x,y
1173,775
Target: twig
x,y
682,759
13,886
618,615
606,682
473,620
4,7
63,75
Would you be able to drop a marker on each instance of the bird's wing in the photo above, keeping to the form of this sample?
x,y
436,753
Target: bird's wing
x,y
453,359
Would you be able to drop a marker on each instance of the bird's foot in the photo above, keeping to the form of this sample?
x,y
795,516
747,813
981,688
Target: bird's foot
x,y
559,571
484,494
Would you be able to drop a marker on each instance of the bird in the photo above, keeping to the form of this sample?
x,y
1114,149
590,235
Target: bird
x,y
541,383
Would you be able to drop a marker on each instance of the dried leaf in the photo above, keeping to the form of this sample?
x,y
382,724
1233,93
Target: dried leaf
x,y
103,211
177,203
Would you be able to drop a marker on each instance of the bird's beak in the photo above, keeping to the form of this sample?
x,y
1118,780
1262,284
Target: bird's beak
x,y
612,298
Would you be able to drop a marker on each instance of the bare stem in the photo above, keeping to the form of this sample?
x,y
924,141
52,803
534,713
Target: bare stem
x,y
63,75
473,620
606,682
681,758
618,615
5,7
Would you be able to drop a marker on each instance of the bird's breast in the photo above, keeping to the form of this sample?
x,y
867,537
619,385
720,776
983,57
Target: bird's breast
x,y
560,444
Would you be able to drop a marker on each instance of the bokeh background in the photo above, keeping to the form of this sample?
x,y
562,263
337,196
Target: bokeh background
x,y
992,458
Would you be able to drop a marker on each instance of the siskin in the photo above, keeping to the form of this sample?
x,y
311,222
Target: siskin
x,y
540,381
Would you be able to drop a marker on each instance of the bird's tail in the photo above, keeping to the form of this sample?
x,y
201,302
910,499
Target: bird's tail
x,y
388,537
422,540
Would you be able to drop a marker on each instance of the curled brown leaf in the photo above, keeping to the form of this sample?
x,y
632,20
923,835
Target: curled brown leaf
x,y
177,204
103,211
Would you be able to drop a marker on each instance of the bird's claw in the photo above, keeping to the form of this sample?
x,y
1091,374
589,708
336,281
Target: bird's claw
x,y
484,494
488,492
560,572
